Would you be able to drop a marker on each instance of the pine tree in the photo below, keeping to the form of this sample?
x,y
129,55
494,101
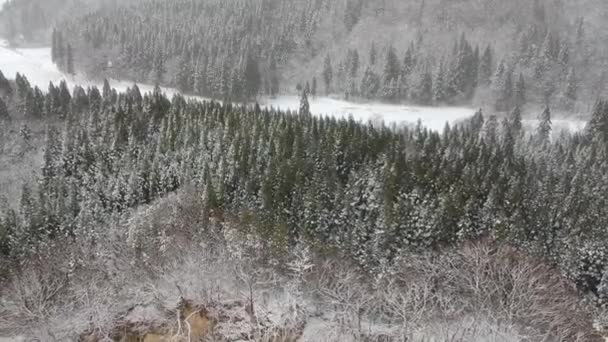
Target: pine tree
x,y
373,54
520,91
425,95
477,121
570,95
504,85
158,68
253,78
391,67
515,122
5,86
543,131
107,90
352,13
183,78
409,61
59,50
54,46
439,93
70,60
327,74
313,90
304,105
51,159
354,64
274,78
485,66
370,84
564,54
490,129
4,115
597,127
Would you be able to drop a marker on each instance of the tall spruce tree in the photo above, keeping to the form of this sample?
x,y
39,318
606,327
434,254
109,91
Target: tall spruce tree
x,y
520,91
328,74
304,104
69,64
543,131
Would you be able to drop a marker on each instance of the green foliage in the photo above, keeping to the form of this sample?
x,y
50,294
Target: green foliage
x,y
368,190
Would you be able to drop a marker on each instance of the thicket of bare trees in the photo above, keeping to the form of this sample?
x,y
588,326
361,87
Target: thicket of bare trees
x,y
476,291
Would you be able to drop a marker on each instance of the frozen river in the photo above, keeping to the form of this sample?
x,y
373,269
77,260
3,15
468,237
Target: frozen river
x,y
36,65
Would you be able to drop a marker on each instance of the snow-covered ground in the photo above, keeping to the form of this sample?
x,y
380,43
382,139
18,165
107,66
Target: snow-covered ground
x,y
559,125
37,66
431,117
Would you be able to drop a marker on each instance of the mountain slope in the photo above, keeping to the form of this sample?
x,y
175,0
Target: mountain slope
x,y
427,52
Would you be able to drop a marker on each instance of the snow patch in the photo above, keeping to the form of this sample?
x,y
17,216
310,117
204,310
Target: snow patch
x,y
37,66
434,118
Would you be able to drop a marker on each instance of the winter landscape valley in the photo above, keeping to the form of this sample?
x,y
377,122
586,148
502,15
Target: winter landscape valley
x,y
37,66
303,171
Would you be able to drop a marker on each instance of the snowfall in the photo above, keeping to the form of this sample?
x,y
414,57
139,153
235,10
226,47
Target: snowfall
x,y
36,65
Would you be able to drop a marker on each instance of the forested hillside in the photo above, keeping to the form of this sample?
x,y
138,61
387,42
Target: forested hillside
x,y
372,194
370,191
496,53
134,216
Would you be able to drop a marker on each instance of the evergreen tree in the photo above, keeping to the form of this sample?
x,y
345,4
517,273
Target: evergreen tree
x,y
570,94
515,122
392,68
425,95
354,64
543,131
183,78
327,74
504,84
597,128
477,122
370,84
158,68
59,51
274,78
252,77
54,46
4,115
409,61
439,92
373,54
352,13
6,89
520,91
304,105
70,60
485,66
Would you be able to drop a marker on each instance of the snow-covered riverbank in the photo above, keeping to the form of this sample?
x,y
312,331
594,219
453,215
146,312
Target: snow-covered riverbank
x,y
37,66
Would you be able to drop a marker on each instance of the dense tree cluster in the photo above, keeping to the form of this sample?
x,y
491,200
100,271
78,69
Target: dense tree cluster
x,y
540,72
371,191
235,49
222,49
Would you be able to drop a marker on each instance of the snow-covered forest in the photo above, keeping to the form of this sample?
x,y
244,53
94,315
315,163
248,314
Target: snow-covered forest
x,y
517,53
312,170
